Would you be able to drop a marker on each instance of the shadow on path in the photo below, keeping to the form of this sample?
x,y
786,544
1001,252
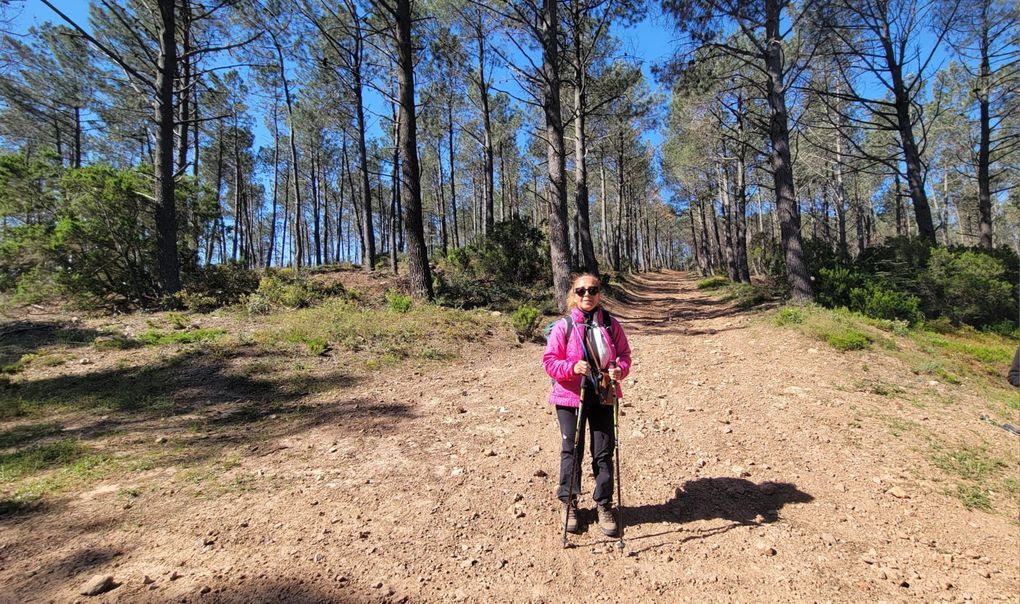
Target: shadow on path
x,y
666,302
739,501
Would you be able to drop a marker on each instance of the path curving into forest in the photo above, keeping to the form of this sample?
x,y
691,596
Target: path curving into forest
x,y
754,468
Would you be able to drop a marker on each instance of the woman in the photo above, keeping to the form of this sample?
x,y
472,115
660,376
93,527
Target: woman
x,y
576,358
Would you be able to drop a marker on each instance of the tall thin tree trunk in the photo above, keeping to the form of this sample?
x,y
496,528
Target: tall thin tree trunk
x,y
559,244
417,256
984,142
166,210
782,164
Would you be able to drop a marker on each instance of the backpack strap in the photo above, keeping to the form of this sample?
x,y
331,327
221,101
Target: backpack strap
x,y
607,322
569,320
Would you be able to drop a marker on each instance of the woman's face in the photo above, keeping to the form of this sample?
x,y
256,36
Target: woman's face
x,y
588,299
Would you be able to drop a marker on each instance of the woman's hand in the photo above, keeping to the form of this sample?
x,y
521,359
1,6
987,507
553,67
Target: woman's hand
x,y
580,368
615,373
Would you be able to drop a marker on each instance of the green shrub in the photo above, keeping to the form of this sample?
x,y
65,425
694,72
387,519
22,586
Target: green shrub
x,y
881,303
833,286
281,291
940,325
523,320
969,287
210,287
398,302
257,304
789,316
1005,328
847,339
714,282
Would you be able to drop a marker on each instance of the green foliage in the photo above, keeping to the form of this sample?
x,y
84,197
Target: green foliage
x,y
971,463
285,287
875,301
210,287
153,337
713,282
973,497
33,459
765,252
969,286
103,243
834,284
789,315
523,320
509,266
398,302
907,280
847,339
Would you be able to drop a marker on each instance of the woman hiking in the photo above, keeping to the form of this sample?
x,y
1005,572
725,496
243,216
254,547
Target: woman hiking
x,y
583,356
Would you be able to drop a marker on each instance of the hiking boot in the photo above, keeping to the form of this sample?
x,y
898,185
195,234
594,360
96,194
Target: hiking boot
x,y
607,520
570,517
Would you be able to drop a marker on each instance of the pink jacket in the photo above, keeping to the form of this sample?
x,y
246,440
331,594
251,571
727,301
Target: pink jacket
x,y
559,360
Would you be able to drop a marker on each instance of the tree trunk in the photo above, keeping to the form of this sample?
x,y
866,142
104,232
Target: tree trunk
x,y
396,192
417,256
292,127
984,143
166,210
911,154
487,147
580,153
367,230
559,244
723,181
782,164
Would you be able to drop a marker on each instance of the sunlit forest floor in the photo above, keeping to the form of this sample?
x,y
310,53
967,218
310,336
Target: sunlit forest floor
x,y
353,452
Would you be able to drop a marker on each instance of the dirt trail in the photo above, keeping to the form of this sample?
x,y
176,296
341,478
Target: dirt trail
x,y
753,469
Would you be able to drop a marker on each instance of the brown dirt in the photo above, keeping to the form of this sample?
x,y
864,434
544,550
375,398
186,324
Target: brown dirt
x,y
754,468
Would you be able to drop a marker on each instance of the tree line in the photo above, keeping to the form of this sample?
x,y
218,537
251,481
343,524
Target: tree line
x,y
391,140
866,120
400,131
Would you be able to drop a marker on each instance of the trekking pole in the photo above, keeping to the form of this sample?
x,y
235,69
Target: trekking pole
x,y
574,466
616,445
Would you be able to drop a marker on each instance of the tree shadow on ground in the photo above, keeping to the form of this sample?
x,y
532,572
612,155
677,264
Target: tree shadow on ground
x,y
739,501
188,409
655,306
23,337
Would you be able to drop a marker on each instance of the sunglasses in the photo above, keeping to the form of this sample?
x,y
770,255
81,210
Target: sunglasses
x,y
592,291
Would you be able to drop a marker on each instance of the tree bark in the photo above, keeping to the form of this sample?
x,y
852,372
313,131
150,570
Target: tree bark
x,y
166,210
580,151
984,142
782,164
417,255
911,154
559,243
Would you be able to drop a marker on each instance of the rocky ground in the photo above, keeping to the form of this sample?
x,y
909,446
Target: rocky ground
x,y
754,467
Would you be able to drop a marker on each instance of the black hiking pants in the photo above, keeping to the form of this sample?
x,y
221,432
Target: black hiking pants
x,y
600,425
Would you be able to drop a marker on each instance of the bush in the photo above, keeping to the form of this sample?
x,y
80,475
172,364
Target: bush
x,y
285,287
398,302
834,284
209,287
880,303
968,286
713,282
523,320
103,247
789,316
847,339
501,270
